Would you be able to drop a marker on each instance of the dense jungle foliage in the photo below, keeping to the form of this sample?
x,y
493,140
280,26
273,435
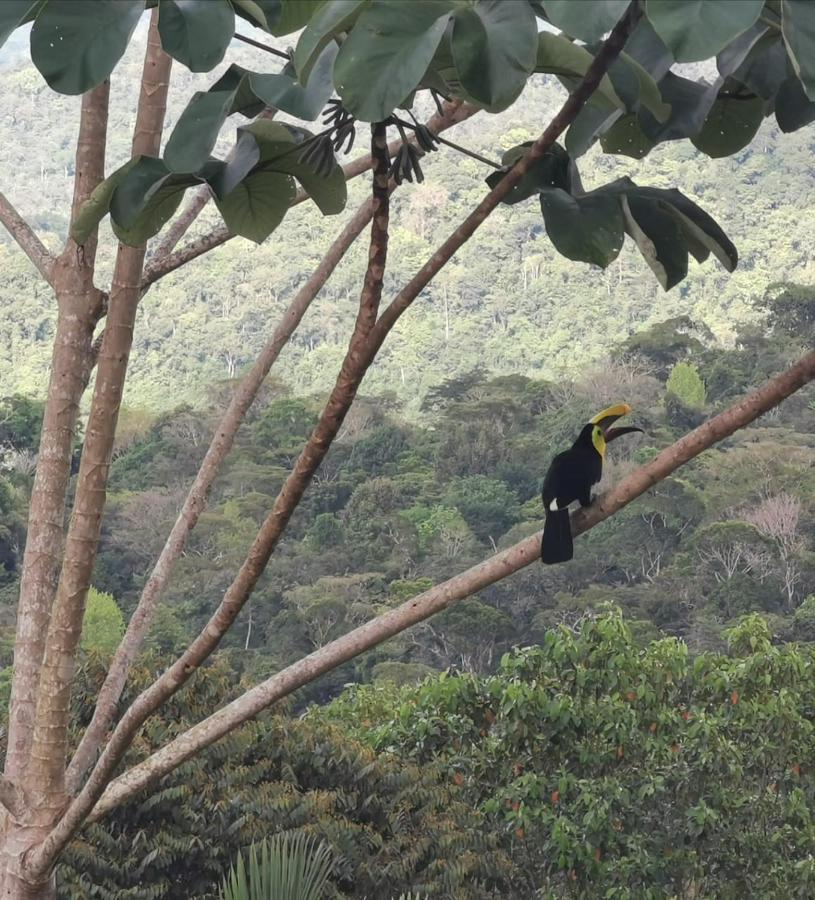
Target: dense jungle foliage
x,y
669,762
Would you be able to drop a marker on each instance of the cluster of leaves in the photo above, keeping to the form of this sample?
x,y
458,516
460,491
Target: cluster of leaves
x,y
376,54
613,770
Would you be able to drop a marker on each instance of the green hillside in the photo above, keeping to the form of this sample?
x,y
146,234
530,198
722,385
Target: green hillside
x,y
508,301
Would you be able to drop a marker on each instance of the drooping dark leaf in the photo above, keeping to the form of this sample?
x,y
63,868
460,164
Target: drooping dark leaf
x,y
588,21
332,18
261,13
593,120
793,109
587,228
690,103
708,231
551,170
494,48
294,15
75,44
798,26
698,29
14,13
286,93
236,80
386,54
626,138
730,125
196,32
657,235
257,205
635,87
145,198
194,136
243,158
765,68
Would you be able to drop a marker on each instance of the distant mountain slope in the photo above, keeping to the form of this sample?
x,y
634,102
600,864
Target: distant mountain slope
x,y
507,300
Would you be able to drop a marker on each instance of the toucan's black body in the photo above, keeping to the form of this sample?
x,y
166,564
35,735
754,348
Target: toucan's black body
x,y
570,479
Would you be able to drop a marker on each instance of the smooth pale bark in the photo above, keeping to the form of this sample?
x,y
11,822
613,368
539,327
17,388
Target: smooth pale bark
x,y
365,343
329,423
78,308
440,597
221,444
26,239
45,773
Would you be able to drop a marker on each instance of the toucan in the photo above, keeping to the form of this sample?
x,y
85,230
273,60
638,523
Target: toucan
x,y
570,478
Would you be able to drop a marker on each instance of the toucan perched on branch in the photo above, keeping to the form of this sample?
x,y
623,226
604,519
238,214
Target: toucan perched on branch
x,y
570,478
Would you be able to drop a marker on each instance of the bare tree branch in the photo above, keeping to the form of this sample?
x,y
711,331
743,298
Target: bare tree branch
x,y
452,114
328,425
50,744
77,304
449,592
25,237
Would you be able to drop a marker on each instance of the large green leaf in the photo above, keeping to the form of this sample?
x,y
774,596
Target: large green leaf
x,y
626,138
494,48
76,44
705,228
294,15
588,20
690,103
793,109
698,29
14,13
196,131
656,232
635,87
730,125
196,32
334,17
798,25
551,170
158,210
264,14
257,205
96,207
273,147
558,56
386,54
287,94
145,198
587,228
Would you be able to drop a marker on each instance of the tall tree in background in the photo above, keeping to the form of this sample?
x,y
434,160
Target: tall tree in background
x,y
375,54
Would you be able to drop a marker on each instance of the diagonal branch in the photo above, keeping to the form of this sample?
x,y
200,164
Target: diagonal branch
x,y
329,423
432,601
159,267
28,241
50,743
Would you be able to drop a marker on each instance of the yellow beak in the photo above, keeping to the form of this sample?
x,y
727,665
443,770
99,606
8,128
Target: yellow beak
x,y
609,416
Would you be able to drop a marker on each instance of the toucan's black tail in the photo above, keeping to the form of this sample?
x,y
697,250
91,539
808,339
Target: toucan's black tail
x,y
556,545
